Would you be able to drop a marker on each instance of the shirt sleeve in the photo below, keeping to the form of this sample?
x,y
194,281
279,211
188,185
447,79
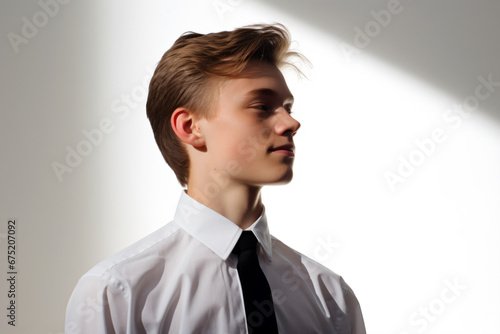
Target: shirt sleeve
x,y
97,305
353,309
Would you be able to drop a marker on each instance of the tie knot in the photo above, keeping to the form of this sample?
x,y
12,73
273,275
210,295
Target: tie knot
x,y
247,242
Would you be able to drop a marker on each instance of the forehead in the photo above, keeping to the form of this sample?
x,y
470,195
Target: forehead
x,y
257,79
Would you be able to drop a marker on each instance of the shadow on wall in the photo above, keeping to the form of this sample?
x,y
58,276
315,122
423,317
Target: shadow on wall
x,y
451,45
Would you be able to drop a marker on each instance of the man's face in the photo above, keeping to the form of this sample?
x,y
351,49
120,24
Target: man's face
x,y
249,140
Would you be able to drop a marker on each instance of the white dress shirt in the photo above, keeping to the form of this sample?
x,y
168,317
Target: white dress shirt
x,y
183,279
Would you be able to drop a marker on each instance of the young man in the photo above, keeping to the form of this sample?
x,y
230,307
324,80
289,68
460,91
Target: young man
x,y
220,110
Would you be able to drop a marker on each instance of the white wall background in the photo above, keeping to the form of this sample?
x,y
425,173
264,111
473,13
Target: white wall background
x,y
422,257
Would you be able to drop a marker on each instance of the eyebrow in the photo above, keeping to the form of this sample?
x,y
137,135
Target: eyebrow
x,y
268,92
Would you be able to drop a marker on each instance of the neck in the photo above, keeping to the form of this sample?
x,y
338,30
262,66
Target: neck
x,y
240,203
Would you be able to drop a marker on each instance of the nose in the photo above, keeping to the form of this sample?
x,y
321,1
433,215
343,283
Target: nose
x,y
286,124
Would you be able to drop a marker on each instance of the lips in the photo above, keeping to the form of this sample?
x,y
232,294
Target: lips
x,y
288,149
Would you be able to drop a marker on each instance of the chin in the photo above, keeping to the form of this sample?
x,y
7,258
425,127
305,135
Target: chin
x,y
281,180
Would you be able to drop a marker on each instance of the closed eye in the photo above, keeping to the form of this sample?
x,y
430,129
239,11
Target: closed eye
x,y
265,108
262,107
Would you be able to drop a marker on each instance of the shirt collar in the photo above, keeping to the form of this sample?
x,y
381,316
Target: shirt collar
x,y
216,231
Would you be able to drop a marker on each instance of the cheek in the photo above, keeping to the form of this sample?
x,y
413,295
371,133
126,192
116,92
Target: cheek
x,y
228,145
257,138
249,148
242,143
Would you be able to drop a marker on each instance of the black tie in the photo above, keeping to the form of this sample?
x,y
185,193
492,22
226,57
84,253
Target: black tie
x,y
257,296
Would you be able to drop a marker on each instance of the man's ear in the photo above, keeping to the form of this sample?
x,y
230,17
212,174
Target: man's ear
x,y
186,127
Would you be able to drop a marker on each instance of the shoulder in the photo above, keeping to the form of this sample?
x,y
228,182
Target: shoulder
x,y
135,259
111,286
330,288
296,258
315,270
